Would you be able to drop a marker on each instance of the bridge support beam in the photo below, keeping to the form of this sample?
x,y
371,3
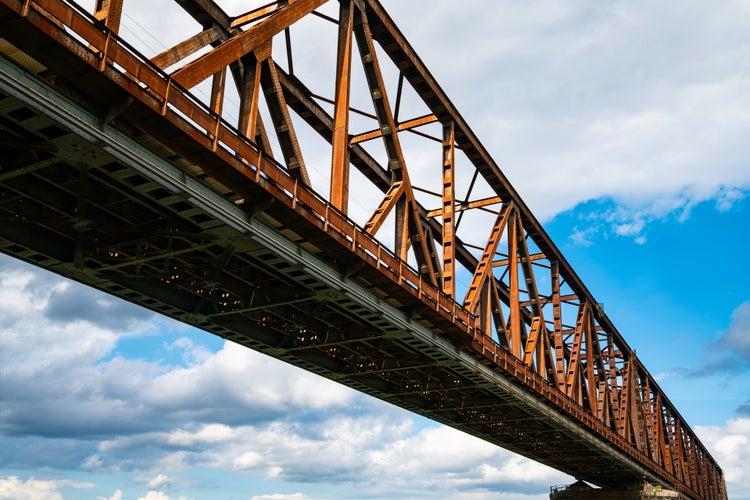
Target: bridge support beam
x,y
636,491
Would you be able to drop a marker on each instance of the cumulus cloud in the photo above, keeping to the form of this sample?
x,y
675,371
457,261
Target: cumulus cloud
x,y
737,337
233,410
158,481
730,446
359,451
639,103
279,496
730,352
11,487
159,495
76,386
116,496
68,302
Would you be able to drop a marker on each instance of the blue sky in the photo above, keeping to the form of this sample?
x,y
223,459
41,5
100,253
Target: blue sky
x,y
623,125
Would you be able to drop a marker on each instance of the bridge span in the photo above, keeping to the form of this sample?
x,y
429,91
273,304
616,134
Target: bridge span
x,y
115,174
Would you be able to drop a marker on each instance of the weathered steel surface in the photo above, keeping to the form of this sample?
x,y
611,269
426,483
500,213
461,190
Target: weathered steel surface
x,y
521,356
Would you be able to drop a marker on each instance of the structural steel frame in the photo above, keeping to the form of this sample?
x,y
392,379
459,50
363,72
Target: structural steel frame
x,y
524,314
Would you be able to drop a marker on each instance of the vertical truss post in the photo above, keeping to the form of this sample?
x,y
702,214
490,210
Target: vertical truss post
x,y
651,429
217,91
602,408
110,12
401,241
515,300
340,154
249,96
614,390
557,337
675,445
590,368
690,458
665,438
485,311
497,313
573,375
636,410
658,432
449,208
623,426
532,344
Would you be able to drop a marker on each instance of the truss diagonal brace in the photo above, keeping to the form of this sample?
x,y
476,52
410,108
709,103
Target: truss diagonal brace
x,y
195,72
188,47
484,267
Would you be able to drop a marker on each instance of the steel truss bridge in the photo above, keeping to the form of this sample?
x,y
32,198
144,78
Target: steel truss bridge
x,y
113,173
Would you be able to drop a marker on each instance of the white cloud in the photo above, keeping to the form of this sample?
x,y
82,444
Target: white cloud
x,y
280,496
173,418
364,451
13,488
116,496
77,386
248,461
158,481
213,433
737,337
448,457
730,446
583,236
730,351
155,495
641,103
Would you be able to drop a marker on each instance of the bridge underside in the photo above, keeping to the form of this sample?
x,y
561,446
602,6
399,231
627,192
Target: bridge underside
x,y
107,204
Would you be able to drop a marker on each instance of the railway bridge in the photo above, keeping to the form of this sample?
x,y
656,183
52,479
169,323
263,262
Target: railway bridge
x,y
178,182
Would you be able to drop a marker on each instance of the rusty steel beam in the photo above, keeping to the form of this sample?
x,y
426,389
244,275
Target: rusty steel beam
x,y
448,211
244,43
188,47
255,14
340,159
109,12
282,121
400,126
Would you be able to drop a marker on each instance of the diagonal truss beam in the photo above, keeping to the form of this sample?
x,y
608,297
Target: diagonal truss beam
x,y
242,44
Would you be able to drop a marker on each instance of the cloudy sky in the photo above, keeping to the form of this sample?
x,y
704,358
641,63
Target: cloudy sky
x,y
624,126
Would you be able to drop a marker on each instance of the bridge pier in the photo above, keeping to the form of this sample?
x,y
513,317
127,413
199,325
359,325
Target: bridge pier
x,y
638,491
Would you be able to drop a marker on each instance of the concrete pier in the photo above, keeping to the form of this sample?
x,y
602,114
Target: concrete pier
x,y
641,491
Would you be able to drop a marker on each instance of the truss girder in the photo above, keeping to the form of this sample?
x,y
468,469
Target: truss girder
x,y
525,313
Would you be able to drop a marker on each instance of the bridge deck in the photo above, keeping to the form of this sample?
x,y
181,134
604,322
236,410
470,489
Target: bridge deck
x,y
110,182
